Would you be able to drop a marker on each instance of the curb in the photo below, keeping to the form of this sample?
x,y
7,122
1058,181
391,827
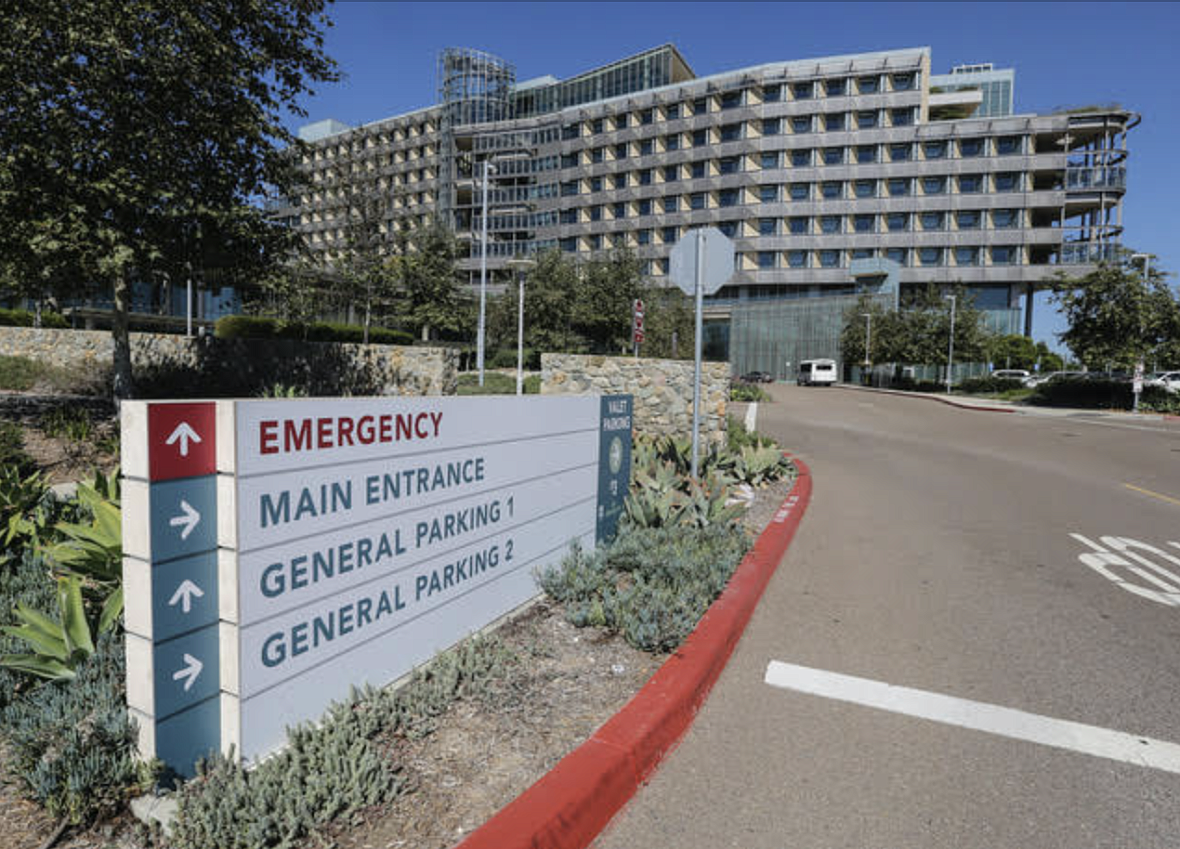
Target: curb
x,y
947,401
573,802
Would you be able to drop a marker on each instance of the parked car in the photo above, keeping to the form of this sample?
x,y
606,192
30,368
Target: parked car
x,y
757,377
1011,374
1038,379
1169,380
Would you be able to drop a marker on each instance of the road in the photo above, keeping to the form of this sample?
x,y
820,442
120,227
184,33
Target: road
x,y
938,555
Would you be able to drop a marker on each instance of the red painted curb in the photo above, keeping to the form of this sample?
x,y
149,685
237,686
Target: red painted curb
x,y
573,802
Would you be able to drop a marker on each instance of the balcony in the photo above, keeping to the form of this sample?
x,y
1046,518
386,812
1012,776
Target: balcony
x,y
1087,179
1085,253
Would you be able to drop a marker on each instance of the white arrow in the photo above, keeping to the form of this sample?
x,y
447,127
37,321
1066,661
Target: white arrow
x,y
185,594
183,434
190,671
189,520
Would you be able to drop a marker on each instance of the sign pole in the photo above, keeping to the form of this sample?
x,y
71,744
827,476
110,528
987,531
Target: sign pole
x,y
696,370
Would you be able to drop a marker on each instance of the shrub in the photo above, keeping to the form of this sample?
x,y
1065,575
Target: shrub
x,y
73,742
988,385
908,384
652,585
255,327
1087,394
19,373
24,580
24,318
532,384
747,392
737,437
72,423
12,449
245,327
506,358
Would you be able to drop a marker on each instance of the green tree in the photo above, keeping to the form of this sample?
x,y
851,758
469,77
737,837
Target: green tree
x,y
128,126
1117,315
1048,360
426,281
604,300
669,322
1012,351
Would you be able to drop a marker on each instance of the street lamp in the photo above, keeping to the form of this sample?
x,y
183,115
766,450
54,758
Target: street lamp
x,y
521,265
1137,382
950,353
483,269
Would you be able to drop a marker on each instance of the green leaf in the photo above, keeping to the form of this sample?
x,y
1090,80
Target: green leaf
x,y
73,614
54,647
112,609
42,667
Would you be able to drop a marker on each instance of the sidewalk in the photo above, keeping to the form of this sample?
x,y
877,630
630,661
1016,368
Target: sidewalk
x,y
995,405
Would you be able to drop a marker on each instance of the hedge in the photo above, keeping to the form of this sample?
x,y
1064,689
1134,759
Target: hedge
x,y
1103,395
253,327
24,318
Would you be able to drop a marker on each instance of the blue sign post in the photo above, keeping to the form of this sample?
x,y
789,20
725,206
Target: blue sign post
x,y
170,532
614,463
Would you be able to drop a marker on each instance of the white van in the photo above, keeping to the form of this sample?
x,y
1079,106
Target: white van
x,y
817,372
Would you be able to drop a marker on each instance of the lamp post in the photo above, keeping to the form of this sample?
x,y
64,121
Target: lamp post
x,y
1137,381
521,265
483,270
950,353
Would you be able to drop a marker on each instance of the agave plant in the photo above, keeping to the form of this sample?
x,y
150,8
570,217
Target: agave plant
x,y
58,645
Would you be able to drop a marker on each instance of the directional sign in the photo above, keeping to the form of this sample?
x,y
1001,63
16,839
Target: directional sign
x,y
717,249
181,440
184,595
186,671
183,517
614,463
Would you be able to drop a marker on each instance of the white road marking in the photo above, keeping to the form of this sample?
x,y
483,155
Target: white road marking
x,y
979,716
751,416
1101,559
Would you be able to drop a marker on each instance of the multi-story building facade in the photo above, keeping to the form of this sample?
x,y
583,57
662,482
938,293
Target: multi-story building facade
x,y
824,172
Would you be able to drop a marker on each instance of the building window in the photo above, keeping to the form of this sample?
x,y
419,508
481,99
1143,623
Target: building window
x,y
620,181
621,121
797,259
569,188
771,126
868,85
646,116
833,156
866,154
829,259
897,222
620,210
800,191
900,152
829,224
728,228
671,173
933,220
597,127
668,235
671,203
1008,181
769,160
643,237
621,150
803,91
596,184
569,216
729,165
898,255
1008,145
901,117
801,124
1004,219
899,187
767,259
700,106
672,142
731,100
837,88
570,244
596,242
865,188
969,148
647,147
903,82
934,150
799,226
731,132
930,256
598,154
866,120
768,194
801,158
700,138
570,131
697,200
968,219
862,253
645,177
645,207
966,256
728,197
672,111
835,122
772,94
767,226
833,190
970,184
864,223
698,170
934,185
1004,255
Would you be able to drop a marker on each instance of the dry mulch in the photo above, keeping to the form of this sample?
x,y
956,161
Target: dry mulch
x,y
481,756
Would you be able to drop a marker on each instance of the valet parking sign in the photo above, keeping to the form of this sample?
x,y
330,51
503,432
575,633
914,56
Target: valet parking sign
x,y
340,542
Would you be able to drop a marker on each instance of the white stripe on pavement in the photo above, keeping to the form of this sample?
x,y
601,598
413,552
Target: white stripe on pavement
x,y
751,416
1007,722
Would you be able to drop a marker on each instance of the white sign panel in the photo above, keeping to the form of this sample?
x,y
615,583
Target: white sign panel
x,y
717,266
359,537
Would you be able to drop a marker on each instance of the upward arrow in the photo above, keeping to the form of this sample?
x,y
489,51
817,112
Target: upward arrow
x,y
184,595
183,434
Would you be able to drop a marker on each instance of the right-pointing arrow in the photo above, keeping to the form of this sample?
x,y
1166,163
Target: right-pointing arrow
x,y
188,519
189,672
184,595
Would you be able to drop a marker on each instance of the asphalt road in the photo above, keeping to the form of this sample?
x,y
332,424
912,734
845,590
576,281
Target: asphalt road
x,y
937,555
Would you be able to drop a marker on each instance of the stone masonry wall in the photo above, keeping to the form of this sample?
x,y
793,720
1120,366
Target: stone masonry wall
x,y
662,390
166,365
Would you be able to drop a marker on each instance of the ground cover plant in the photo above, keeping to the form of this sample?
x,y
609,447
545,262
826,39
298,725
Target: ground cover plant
x,y
748,392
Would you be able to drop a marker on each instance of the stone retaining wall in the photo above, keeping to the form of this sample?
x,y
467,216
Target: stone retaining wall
x,y
168,365
662,390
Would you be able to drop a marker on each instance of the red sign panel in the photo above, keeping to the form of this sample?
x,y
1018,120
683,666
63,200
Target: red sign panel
x,y
181,440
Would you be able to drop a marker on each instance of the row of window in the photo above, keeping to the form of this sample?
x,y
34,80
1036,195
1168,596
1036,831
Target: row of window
x,y
970,255
808,90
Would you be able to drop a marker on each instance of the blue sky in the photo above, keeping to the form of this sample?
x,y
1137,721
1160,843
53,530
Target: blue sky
x,y
1065,54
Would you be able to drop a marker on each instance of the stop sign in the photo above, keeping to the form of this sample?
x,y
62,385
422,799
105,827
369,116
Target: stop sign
x,y
717,260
